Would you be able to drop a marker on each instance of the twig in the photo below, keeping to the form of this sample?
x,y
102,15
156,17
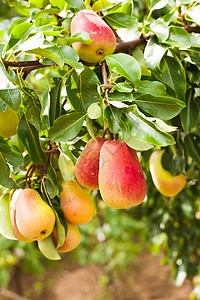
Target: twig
x,y
192,28
10,295
126,47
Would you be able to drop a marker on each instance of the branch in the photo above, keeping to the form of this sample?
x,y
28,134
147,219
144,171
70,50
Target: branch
x,y
192,28
23,66
126,47
10,295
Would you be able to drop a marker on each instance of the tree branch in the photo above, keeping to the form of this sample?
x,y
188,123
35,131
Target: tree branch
x,y
10,295
192,28
126,47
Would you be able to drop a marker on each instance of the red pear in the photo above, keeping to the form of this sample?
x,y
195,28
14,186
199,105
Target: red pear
x,y
121,180
104,41
87,165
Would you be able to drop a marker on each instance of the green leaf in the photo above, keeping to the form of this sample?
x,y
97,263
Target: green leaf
x,y
162,107
48,249
90,128
5,179
94,111
120,96
134,143
32,107
5,219
123,87
39,3
21,31
178,37
126,66
190,114
75,3
160,28
66,167
66,127
33,42
192,145
154,88
153,53
173,74
60,230
158,4
71,58
49,30
82,37
141,128
49,11
82,89
194,14
29,136
11,152
11,97
120,20
101,4
55,100
113,116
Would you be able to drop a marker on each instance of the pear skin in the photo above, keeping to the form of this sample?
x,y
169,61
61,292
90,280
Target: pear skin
x,y
87,165
121,179
104,41
16,231
8,123
167,184
77,206
34,217
72,239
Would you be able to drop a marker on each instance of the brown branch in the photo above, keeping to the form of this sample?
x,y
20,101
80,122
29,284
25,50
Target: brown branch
x,y
192,28
10,295
126,47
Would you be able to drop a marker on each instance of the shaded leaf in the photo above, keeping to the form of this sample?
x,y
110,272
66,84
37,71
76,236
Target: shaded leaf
x,y
190,114
48,249
11,97
5,179
192,145
120,20
5,219
11,152
55,104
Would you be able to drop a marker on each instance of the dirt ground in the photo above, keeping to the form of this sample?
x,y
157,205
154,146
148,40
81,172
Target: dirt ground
x,y
148,280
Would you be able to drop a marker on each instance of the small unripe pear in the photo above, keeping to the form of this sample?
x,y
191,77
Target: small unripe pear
x,y
8,123
35,219
167,184
104,41
87,165
77,206
72,239
121,180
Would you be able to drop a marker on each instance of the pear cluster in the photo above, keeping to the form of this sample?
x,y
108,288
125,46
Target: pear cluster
x,y
114,168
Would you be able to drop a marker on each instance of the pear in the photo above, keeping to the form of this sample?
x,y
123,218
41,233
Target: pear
x,y
72,239
16,231
77,206
121,180
167,184
104,41
87,165
8,123
34,217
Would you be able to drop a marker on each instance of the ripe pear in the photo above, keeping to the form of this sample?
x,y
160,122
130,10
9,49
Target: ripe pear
x,y
34,217
16,231
72,239
167,184
104,41
121,180
8,123
77,206
87,165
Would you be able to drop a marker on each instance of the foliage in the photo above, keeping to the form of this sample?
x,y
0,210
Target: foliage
x,y
147,93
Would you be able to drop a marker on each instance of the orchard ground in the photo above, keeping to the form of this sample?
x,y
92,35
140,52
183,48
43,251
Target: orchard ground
x,y
148,280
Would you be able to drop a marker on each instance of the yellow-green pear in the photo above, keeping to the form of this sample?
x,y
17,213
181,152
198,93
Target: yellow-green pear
x,y
16,231
35,219
167,184
8,123
72,239
77,206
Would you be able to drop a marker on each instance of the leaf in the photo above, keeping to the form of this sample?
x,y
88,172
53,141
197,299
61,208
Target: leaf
x,y
33,42
194,14
49,11
123,87
162,107
192,145
66,167
75,3
101,4
60,230
82,37
120,96
173,74
178,37
154,88
160,28
120,20
5,179
11,152
90,128
94,111
71,58
20,31
82,89
48,249
113,116
66,127
190,114
158,4
11,97
153,53
5,219
29,136
136,144
126,66
32,107
55,98
145,130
